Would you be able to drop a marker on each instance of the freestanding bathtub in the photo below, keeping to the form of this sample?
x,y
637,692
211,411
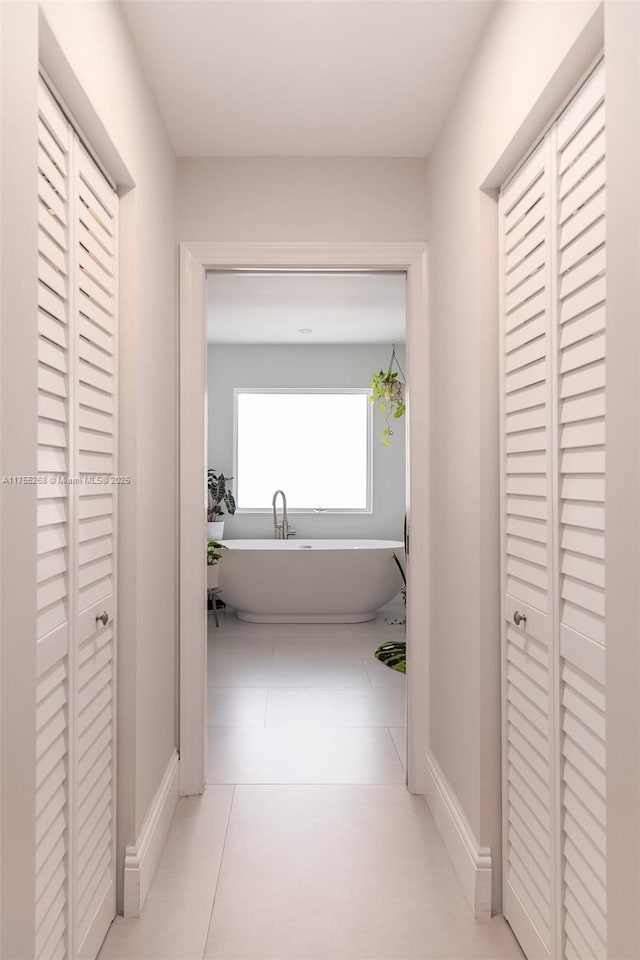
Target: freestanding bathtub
x,y
309,581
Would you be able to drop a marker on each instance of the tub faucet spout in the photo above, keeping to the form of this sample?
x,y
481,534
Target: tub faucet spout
x,y
280,530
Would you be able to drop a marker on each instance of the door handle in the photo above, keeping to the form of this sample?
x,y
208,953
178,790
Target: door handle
x,y
103,618
519,618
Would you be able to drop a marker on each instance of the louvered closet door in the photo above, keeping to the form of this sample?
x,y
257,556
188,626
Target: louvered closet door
x,y
579,142
53,535
554,694
76,519
527,545
95,207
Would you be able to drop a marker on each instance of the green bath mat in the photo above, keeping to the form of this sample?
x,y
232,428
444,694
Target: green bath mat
x,y
393,654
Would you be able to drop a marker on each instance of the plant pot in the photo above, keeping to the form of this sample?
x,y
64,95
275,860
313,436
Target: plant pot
x,y
396,391
215,529
213,576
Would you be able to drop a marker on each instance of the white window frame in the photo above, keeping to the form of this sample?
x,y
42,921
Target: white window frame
x,y
310,390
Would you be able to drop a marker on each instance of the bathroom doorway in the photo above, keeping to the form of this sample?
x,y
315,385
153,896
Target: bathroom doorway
x,y
198,261
306,623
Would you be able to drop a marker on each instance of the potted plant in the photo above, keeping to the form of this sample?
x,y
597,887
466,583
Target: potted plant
x,y
219,499
388,392
214,555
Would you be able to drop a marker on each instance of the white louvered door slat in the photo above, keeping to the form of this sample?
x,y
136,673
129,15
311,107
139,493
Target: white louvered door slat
x,y
74,894
95,412
528,854
53,587
580,359
554,504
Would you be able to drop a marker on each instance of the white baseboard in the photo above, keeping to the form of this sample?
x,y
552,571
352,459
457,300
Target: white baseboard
x,y
141,860
471,862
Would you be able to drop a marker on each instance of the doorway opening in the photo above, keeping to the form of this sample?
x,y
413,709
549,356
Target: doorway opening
x,y
198,262
306,506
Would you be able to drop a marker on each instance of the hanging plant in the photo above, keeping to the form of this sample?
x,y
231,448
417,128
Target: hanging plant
x,y
388,393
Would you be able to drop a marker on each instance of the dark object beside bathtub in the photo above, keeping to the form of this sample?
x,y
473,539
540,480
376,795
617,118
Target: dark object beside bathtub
x,y
393,654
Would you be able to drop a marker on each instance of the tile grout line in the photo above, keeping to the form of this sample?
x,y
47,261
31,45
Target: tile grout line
x,y
215,888
368,676
395,747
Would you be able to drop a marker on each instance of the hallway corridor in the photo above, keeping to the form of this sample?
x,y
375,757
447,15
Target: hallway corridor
x,y
306,844
225,226
301,872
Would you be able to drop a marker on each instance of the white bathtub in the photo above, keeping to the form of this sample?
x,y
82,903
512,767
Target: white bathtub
x,y
309,581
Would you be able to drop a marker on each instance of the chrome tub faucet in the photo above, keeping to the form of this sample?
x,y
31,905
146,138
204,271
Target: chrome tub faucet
x,y
281,531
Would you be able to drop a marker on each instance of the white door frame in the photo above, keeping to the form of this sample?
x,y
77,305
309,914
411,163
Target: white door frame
x,y
195,260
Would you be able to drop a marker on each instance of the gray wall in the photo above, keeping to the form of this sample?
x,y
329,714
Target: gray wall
x,y
308,366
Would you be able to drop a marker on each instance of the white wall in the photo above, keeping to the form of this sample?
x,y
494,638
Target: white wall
x,y
528,59
301,200
308,366
88,53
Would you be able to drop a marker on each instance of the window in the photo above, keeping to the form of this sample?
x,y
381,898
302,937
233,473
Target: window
x,y
313,444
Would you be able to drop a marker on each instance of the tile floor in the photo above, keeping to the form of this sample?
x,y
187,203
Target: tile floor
x,y
304,703
306,844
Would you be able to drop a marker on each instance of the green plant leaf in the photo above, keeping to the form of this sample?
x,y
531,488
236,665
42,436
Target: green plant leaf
x,y
219,494
388,394
214,552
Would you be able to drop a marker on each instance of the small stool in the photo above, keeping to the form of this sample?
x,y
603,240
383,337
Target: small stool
x,y
213,593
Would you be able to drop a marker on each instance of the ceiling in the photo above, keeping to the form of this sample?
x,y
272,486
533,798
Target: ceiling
x,y
332,308
314,78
